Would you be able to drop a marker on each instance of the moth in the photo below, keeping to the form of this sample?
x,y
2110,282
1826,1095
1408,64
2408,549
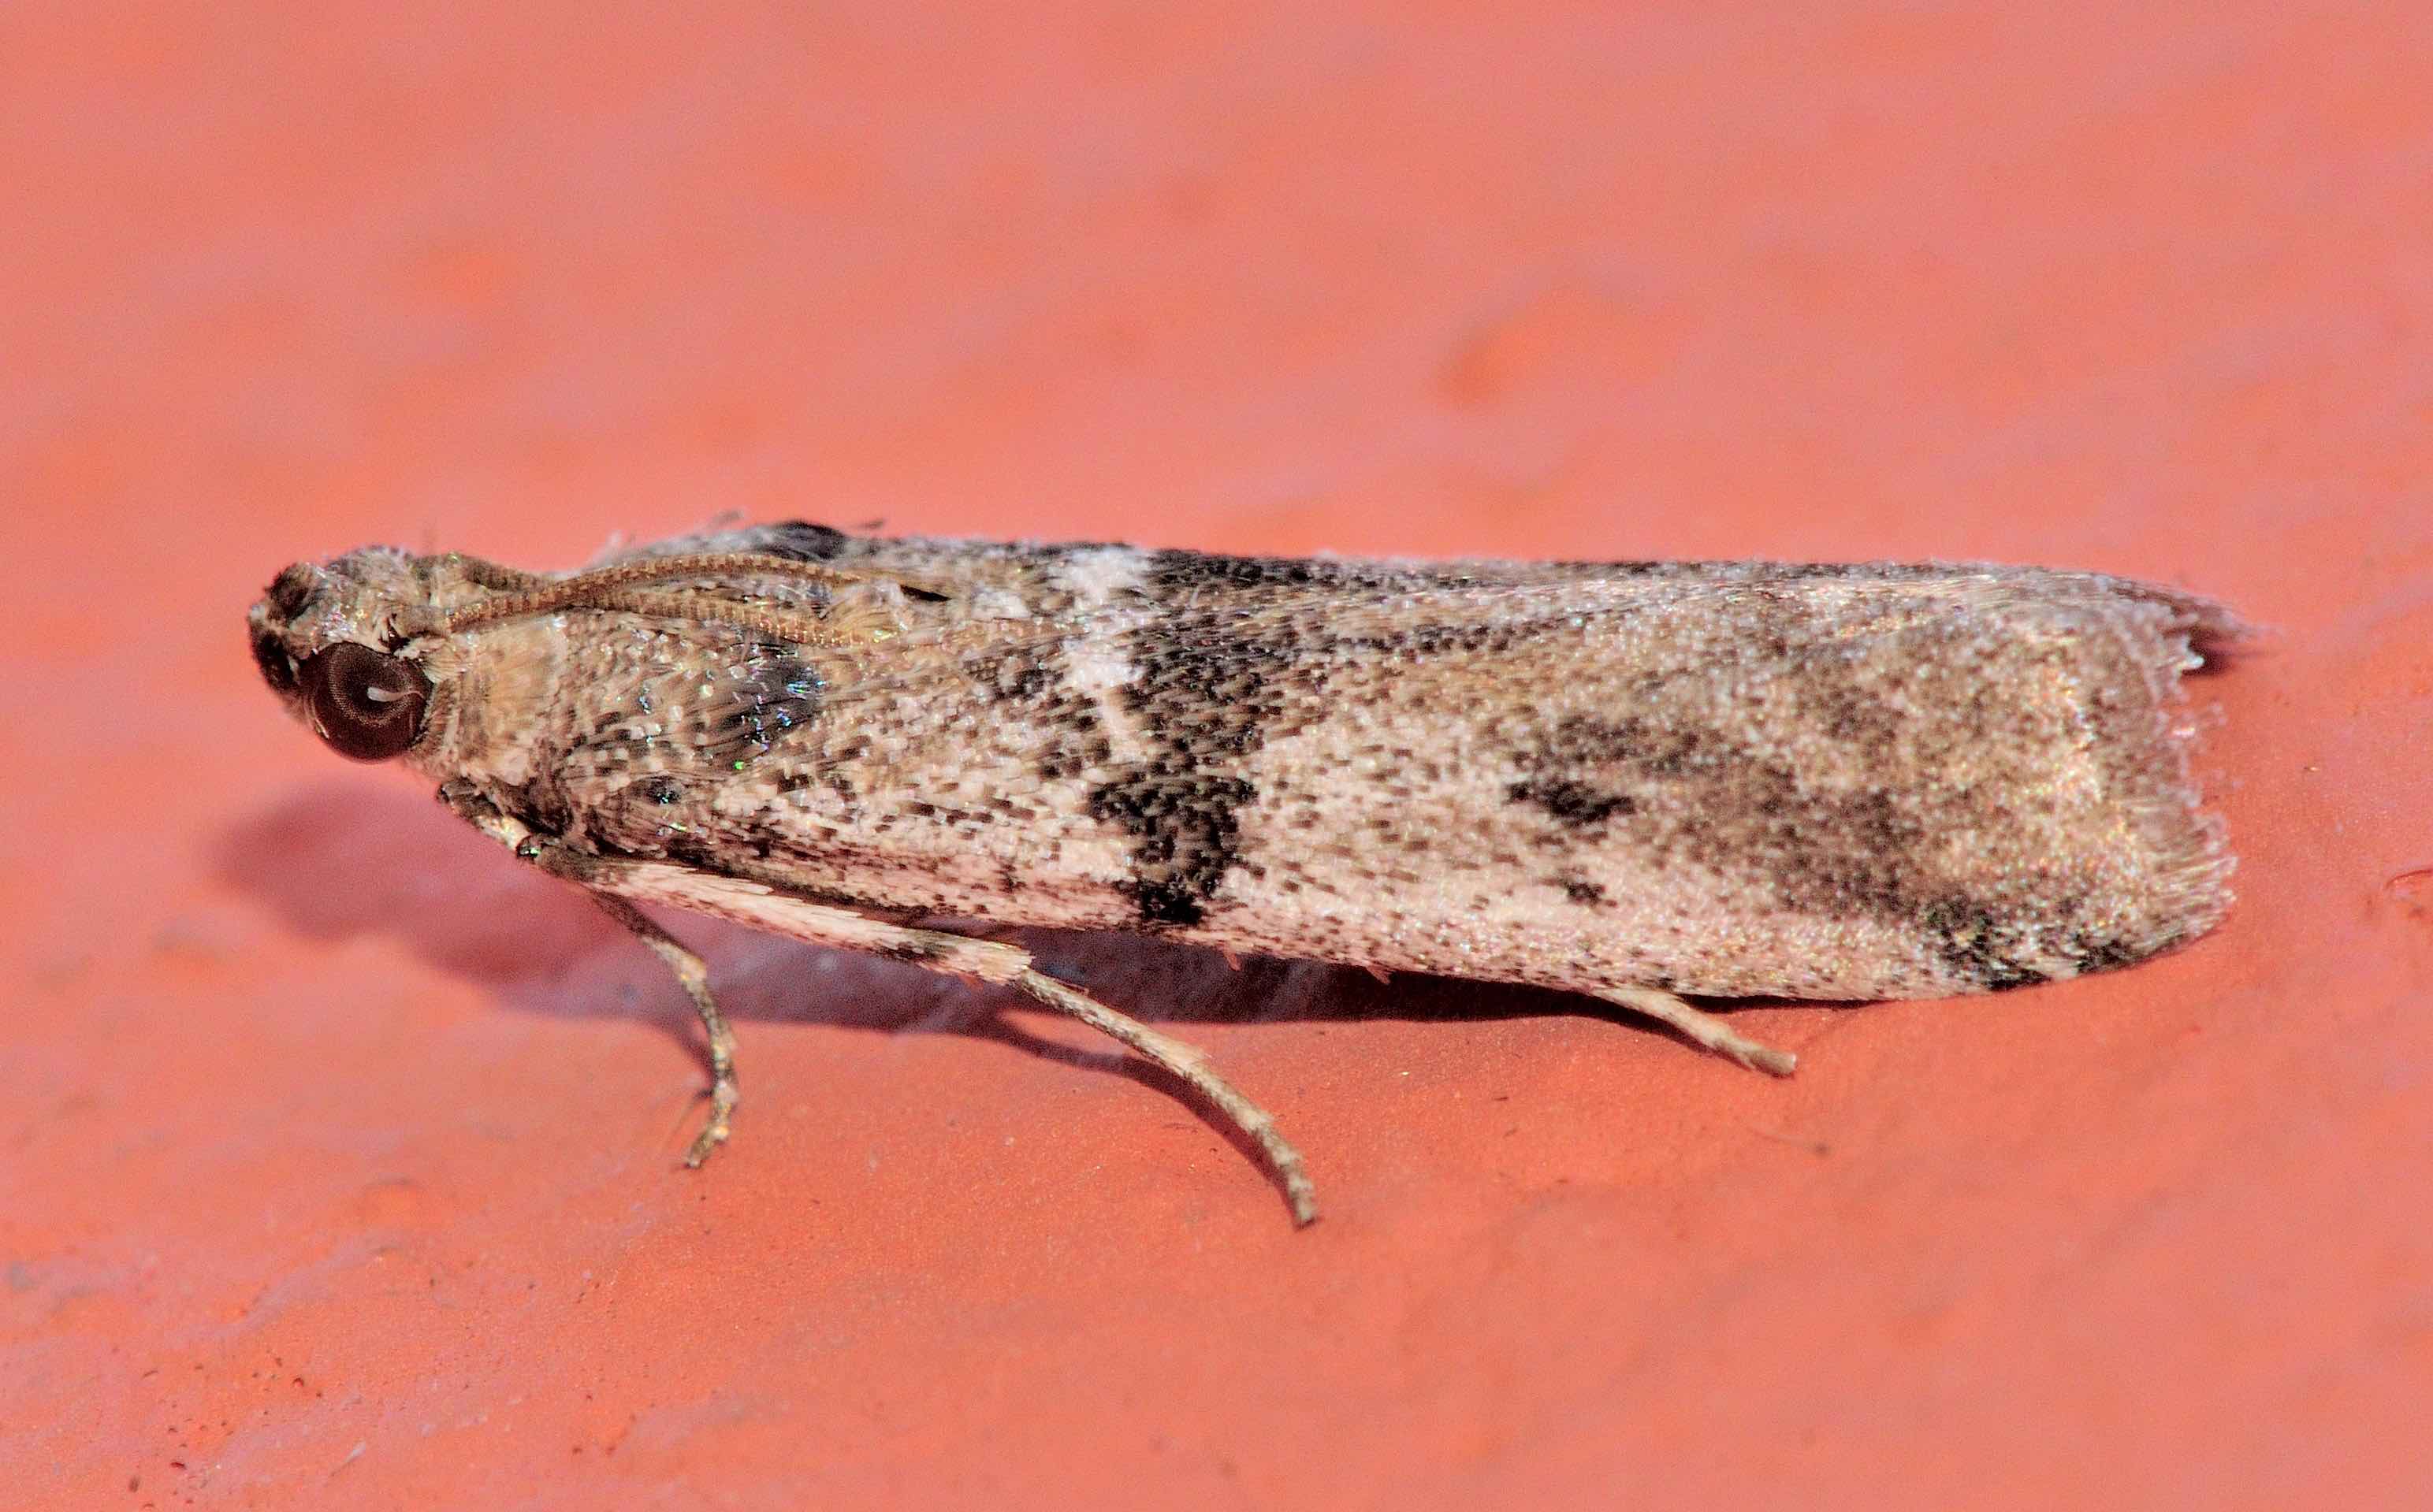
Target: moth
x,y
1632,780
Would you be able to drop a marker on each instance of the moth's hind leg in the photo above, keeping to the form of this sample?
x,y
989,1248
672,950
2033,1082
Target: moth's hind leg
x,y
1190,1063
1706,1028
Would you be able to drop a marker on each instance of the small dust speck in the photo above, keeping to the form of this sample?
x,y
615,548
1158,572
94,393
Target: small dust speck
x,y
1813,1146
2413,892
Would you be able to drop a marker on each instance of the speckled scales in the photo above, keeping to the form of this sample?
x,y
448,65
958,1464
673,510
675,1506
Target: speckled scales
x,y
1728,778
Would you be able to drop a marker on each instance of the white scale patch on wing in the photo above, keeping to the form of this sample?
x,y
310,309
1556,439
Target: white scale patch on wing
x,y
1098,663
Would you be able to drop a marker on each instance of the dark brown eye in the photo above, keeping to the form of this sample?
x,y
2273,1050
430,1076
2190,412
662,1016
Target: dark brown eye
x,y
364,705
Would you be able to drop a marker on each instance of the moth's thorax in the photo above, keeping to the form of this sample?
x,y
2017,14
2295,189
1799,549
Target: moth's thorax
x,y
497,694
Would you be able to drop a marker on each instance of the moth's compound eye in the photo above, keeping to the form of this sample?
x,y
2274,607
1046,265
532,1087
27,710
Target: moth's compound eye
x,y
364,705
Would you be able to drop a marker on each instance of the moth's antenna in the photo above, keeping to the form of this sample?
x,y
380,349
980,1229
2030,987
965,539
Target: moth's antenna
x,y
659,570
625,586
761,618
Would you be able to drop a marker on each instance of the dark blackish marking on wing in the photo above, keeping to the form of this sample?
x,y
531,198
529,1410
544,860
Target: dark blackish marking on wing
x,y
1570,769
769,692
1173,574
1691,791
1970,939
1421,642
2103,955
1204,695
1573,803
1185,831
1581,891
801,541
1694,794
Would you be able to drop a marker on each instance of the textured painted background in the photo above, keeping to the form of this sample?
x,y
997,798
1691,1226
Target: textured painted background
x,y
337,1157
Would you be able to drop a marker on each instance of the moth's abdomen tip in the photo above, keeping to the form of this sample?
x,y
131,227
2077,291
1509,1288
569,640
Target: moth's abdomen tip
x,y
2222,638
2216,634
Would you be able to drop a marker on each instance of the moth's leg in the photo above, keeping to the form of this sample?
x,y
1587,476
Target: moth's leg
x,y
690,972
1191,1065
761,906
1706,1028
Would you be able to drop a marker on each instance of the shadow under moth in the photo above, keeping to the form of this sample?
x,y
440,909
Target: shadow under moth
x,y
1632,780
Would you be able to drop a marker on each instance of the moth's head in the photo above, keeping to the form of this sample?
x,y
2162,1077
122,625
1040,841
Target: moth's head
x,y
330,640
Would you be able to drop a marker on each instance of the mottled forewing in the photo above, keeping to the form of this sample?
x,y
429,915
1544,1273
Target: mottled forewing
x,y
1842,781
